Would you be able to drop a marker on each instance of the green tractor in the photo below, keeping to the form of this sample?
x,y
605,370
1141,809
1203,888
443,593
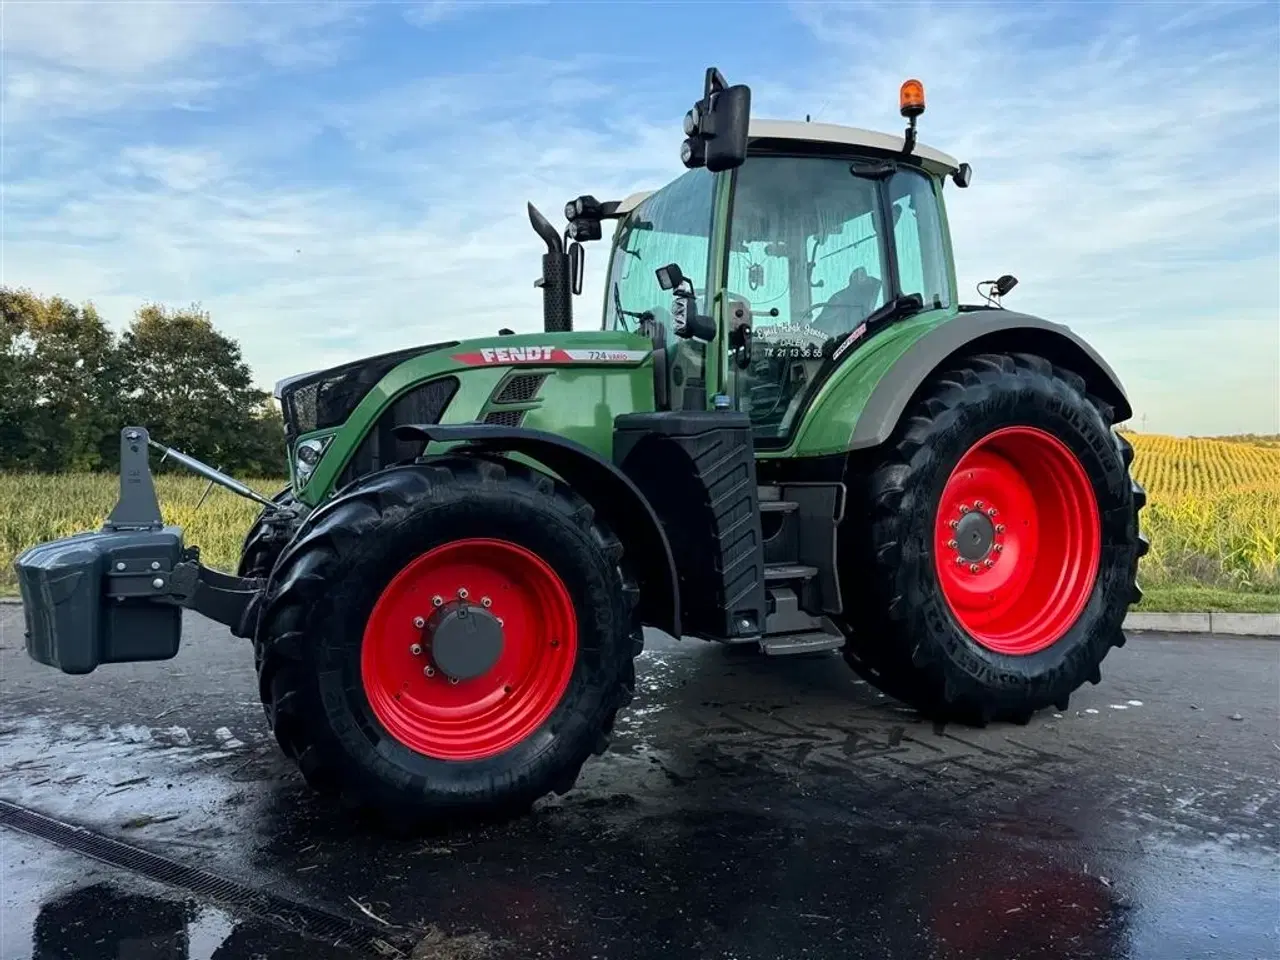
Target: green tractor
x,y
786,432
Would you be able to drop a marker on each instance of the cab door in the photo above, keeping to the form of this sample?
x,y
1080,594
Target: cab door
x,y
808,248
817,245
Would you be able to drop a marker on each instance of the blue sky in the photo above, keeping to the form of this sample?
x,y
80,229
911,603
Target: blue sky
x,y
336,179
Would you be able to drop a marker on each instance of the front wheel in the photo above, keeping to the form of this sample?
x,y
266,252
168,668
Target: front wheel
x,y
264,541
1000,544
449,638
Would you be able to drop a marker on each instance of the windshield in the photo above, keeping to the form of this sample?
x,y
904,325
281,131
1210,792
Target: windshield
x,y
672,226
810,249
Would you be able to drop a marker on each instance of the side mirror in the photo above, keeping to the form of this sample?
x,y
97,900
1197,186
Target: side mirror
x,y
577,266
962,175
716,128
670,276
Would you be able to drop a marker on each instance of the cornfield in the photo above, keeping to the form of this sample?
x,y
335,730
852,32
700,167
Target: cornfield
x,y
1213,513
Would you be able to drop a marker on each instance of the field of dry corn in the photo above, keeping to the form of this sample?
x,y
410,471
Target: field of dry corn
x,y
1213,515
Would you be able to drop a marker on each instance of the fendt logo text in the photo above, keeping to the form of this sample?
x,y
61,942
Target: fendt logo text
x,y
515,354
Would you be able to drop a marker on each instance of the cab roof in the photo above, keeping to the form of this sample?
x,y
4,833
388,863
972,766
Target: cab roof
x,y
934,160
848,136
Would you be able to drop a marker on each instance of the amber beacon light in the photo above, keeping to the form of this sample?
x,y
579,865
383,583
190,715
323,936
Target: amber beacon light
x,y
911,98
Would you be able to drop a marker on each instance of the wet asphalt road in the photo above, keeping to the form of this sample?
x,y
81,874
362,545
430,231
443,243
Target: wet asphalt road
x,y
750,808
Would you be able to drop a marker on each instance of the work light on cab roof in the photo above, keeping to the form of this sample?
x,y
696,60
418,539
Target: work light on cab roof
x,y
783,431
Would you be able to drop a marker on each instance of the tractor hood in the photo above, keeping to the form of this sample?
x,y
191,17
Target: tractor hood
x,y
325,398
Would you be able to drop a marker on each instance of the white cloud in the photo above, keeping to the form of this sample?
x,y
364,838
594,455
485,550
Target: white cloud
x,y
88,58
1124,170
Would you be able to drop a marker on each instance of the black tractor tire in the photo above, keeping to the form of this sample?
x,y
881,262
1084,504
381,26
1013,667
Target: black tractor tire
x,y
263,544
904,635
328,583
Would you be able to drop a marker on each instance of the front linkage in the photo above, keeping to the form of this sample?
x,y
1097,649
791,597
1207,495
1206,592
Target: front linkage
x,y
116,595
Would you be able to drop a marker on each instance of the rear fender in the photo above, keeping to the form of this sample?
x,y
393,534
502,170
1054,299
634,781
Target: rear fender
x,y
615,498
982,331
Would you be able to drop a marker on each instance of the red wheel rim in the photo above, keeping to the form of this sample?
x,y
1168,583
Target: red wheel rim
x,y
1018,541
480,716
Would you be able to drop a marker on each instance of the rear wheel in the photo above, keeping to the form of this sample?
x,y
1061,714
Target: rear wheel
x,y
449,638
1001,544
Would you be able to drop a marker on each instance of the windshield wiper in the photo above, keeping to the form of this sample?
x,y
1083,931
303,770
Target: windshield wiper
x,y
643,315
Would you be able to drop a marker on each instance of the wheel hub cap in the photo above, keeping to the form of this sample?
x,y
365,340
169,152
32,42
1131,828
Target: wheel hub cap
x,y
465,641
975,535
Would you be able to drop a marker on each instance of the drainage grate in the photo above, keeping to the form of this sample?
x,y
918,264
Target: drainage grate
x,y
296,917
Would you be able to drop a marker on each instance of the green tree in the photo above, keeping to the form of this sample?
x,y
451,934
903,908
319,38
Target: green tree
x,y
189,385
17,385
58,378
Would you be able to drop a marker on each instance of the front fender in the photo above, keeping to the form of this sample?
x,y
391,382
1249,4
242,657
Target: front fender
x,y
612,494
981,331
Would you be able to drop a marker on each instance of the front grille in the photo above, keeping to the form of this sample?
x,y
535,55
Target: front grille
x,y
506,418
520,388
380,447
326,399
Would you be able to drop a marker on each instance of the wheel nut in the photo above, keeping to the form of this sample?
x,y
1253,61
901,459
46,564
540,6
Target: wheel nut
x,y
486,602
974,568
952,544
953,524
416,649
991,511
437,601
419,622
999,528
429,670
988,562
499,621
453,680
959,559
977,504
997,547
964,508
462,593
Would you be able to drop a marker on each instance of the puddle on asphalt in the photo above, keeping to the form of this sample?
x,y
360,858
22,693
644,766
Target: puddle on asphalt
x,y
58,905
108,921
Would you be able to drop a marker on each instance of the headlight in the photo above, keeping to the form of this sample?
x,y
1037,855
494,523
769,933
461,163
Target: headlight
x,y
308,454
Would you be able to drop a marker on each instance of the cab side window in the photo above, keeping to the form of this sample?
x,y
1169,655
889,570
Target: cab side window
x,y
917,237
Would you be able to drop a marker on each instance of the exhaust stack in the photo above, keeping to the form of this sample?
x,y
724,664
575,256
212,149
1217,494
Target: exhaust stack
x,y
556,281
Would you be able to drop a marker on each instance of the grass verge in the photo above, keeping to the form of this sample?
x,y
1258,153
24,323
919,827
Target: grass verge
x,y
1196,599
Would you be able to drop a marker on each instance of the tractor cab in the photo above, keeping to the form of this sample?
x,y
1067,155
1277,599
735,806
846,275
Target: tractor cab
x,y
822,235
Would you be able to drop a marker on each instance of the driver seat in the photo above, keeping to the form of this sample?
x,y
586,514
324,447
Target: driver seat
x,y
848,307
